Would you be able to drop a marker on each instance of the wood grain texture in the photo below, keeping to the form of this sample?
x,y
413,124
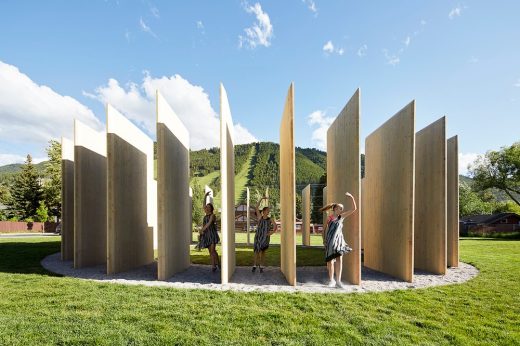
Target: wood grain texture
x,y
344,174
227,191
173,199
306,215
389,217
67,199
325,214
453,202
430,198
288,191
129,156
90,191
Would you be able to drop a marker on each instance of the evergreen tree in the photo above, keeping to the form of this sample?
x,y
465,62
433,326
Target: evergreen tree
x,y
52,182
26,191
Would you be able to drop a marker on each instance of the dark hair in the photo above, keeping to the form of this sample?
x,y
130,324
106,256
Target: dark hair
x,y
211,206
264,208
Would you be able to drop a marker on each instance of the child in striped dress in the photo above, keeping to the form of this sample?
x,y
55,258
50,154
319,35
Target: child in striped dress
x,y
262,235
335,245
208,235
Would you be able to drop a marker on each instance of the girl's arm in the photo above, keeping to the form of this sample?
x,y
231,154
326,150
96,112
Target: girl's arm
x,y
204,199
349,212
325,229
257,211
211,220
275,226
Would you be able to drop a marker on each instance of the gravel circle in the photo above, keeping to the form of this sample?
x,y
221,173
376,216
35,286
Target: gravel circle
x,y
310,279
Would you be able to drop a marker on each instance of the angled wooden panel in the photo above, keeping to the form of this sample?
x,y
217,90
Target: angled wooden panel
x,y
227,191
288,191
430,198
129,175
173,199
389,194
90,191
344,174
453,202
67,199
363,216
306,215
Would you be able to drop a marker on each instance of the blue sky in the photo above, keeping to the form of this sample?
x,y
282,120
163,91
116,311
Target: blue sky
x,y
459,59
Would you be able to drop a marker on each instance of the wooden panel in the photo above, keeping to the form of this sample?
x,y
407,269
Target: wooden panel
x,y
325,216
129,176
173,199
90,191
306,215
453,202
288,191
344,174
67,199
389,174
248,217
430,198
363,216
227,191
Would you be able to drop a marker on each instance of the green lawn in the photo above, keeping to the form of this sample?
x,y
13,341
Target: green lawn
x,y
241,238
41,309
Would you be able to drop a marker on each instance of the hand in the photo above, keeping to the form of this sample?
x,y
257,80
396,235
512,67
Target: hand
x,y
348,194
207,193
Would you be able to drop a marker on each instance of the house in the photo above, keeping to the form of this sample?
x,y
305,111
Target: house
x,y
491,223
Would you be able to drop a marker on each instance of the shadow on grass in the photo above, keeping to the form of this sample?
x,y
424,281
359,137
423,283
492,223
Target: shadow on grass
x,y
509,238
24,258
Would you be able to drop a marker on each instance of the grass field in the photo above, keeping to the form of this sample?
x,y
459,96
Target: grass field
x,y
39,308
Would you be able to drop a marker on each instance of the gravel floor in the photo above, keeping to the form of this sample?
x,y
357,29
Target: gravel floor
x,y
310,279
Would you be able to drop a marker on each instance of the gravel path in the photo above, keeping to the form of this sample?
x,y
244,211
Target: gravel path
x,y
310,279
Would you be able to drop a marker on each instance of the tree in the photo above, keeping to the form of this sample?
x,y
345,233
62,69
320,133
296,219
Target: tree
x,y
42,214
500,170
52,183
25,191
196,199
470,203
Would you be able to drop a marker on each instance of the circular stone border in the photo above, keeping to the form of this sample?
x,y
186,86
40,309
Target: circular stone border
x,y
310,279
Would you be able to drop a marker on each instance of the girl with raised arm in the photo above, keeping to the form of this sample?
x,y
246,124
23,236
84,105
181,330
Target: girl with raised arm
x,y
208,235
262,235
335,245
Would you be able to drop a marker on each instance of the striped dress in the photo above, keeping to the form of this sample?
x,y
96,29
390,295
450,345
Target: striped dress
x,y
335,244
210,236
262,237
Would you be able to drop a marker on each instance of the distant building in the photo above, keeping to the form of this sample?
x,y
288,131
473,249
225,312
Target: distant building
x,y
491,223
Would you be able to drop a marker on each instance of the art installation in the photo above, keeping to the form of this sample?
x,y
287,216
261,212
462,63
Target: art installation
x,y
173,200
248,217
389,191
67,199
90,191
324,222
130,164
306,215
453,202
430,198
288,191
227,191
344,174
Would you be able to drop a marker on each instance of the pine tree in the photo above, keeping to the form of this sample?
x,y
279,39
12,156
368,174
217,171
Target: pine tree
x,y
52,183
26,191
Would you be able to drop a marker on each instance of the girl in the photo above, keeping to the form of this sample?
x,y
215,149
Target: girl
x,y
208,235
262,235
335,245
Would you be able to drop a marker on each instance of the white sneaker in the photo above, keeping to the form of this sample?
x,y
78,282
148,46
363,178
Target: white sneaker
x,y
332,283
339,284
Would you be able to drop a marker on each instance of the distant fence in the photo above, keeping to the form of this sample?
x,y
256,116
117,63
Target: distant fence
x,y
17,226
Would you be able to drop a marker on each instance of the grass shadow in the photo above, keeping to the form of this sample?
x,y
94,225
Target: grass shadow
x,y
23,258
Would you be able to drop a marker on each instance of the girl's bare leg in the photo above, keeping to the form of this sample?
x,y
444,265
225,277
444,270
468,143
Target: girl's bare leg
x,y
338,268
330,269
262,258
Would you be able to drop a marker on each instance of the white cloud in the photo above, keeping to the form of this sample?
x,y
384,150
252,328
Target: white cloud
x,y
391,59
319,135
190,102
7,159
155,12
261,33
517,84
407,41
33,114
473,60
362,51
465,159
311,5
329,48
455,12
146,28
